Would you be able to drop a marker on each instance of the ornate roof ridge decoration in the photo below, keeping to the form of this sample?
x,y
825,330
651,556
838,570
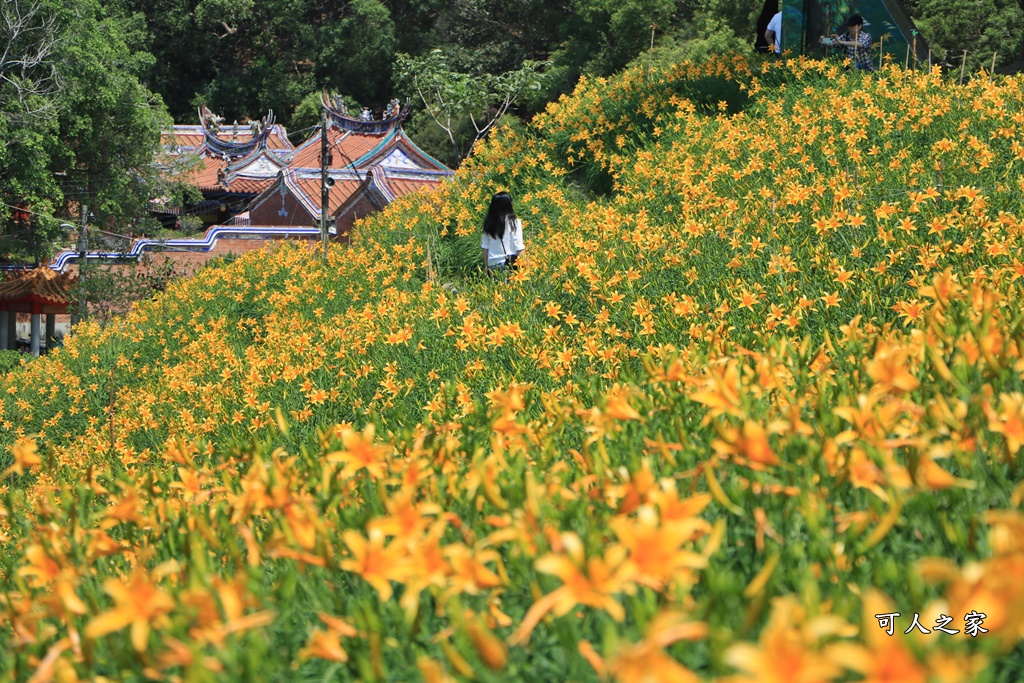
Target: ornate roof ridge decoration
x,y
235,166
41,283
391,118
259,131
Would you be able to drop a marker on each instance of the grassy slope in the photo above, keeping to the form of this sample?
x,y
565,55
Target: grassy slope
x,y
732,303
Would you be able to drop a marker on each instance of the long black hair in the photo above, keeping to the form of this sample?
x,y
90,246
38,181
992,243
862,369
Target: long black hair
x,y
770,9
499,215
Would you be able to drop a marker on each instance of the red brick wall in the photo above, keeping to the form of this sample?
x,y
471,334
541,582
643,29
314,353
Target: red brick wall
x,y
362,208
267,212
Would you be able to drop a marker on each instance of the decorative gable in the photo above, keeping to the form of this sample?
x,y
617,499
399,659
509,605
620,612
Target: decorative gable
x,y
260,167
399,160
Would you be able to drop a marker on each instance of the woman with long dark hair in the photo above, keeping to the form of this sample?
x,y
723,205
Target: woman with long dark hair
x,y
502,240
768,12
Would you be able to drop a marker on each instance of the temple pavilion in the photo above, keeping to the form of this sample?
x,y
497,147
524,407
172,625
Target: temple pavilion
x,y
38,292
371,162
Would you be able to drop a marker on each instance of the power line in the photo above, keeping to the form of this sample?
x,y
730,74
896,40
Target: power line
x,y
34,213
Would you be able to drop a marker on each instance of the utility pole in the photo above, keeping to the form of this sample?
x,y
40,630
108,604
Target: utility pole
x,y
324,187
83,247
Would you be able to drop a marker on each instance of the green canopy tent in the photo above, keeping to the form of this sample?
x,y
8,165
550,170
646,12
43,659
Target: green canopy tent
x,y
888,22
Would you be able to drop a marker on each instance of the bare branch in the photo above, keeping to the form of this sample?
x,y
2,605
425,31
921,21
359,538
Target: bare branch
x,y
454,95
29,79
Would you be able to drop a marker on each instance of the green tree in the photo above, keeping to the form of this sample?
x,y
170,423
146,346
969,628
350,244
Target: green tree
x,y
450,96
984,28
110,123
30,90
88,140
185,55
495,36
355,54
601,36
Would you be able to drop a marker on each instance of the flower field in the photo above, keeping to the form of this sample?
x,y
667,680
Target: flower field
x,y
752,410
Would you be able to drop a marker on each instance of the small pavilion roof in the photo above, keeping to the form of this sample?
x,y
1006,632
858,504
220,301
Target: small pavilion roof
x,y
41,284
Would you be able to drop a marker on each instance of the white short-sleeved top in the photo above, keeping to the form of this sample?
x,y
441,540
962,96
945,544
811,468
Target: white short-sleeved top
x,y
511,243
776,25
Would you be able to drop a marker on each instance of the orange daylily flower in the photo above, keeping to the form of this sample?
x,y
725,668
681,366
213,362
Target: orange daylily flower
x,y
26,456
617,404
889,369
361,452
326,644
41,568
883,658
139,603
722,391
790,648
511,399
647,660
469,570
1009,420
377,563
992,586
748,445
492,651
591,581
656,548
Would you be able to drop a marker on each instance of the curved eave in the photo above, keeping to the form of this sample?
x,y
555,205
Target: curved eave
x,y
217,145
34,303
345,122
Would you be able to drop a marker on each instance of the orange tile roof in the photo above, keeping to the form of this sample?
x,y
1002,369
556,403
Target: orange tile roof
x,y
345,147
336,195
403,186
242,185
205,178
205,173
42,283
278,138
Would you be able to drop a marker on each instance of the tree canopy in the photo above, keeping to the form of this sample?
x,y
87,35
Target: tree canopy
x,y
79,126
984,29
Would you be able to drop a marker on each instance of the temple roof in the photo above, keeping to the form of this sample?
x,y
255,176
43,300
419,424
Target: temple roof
x,y
41,284
364,122
351,150
184,138
366,155
345,147
304,185
213,137
245,175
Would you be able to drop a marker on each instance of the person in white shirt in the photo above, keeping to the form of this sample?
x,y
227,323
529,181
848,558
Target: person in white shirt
x,y
774,34
502,240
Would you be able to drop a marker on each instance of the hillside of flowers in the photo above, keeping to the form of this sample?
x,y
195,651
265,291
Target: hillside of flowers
x,y
751,410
